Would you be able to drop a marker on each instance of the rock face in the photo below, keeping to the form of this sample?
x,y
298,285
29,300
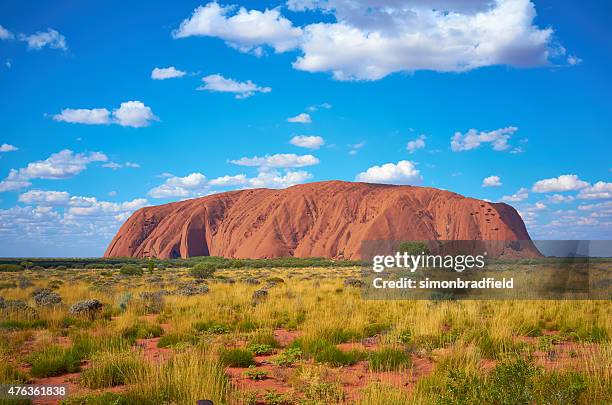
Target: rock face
x,y
326,219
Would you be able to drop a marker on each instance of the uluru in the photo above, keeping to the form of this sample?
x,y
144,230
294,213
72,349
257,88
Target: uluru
x,y
323,219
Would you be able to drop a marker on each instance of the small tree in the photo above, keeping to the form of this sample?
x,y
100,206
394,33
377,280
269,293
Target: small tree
x,y
151,266
413,248
203,270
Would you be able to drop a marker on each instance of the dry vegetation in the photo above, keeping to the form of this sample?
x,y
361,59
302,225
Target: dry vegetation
x,y
292,336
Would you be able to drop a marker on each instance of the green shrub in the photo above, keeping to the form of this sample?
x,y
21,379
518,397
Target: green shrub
x,y
203,270
260,349
288,356
10,267
236,357
511,382
131,270
96,399
255,374
389,359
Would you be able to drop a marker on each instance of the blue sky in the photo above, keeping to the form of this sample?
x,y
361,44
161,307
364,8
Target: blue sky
x,y
90,132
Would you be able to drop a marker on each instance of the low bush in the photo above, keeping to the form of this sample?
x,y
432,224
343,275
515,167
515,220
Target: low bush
x,y
236,357
142,330
174,339
131,270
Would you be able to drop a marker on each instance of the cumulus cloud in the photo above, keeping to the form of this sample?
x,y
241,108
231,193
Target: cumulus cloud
x,y
416,144
305,141
491,181
565,182
6,147
129,114
473,139
559,198
49,38
5,34
61,165
521,195
281,160
368,40
599,190
57,219
224,181
302,118
245,30
45,198
404,172
191,185
196,184
94,116
166,73
134,114
218,83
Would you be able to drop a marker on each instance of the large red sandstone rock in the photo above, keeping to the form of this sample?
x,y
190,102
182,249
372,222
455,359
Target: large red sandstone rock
x,y
326,219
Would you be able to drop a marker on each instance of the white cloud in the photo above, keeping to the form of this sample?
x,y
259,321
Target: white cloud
x,y
558,199
354,148
404,172
134,114
370,40
60,165
196,185
473,139
521,195
573,60
112,165
305,141
95,116
44,198
5,147
416,144
191,185
115,165
129,114
601,207
317,107
5,34
224,181
274,179
491,181
599,190
302,118
166,73
218,83
245,30
565,182
49,38
281,160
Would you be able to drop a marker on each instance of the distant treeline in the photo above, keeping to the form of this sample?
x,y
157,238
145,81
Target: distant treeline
x,y
18,264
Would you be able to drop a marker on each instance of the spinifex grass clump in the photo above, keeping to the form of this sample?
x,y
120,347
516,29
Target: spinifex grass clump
x,y
176,339
322,351
110,369
236,357
389,359
54,360
142,330
184,379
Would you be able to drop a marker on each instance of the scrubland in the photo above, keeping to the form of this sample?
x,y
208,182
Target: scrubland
x,y
291,336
